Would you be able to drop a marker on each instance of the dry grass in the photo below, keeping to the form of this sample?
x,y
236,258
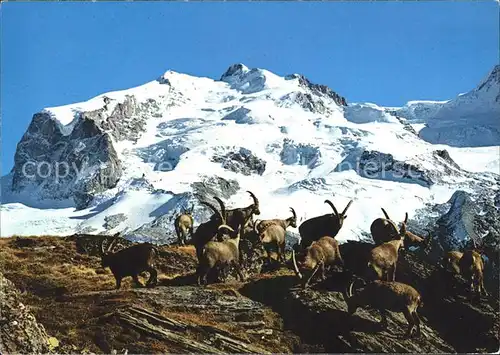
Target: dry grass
x,y
64,290
47,270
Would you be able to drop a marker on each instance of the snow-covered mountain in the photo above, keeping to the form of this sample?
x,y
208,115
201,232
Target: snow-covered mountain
x,y
130,160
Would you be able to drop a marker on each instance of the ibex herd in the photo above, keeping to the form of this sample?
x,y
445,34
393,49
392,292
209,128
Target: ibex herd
x,y
217,244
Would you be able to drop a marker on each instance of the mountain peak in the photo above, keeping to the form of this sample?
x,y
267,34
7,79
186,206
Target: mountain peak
x,y
492,79
234,70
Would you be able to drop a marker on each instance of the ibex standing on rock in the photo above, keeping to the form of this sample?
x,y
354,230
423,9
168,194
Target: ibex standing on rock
x,y
321,253
184,224
383,259
387,296
470,265
220,254
325,225
272,232
208,230
131,262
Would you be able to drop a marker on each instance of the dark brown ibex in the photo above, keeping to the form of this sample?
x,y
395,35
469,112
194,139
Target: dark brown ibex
x,y
384,230
387,296
242,215
131,262
184,224
321,253
208,230
325,225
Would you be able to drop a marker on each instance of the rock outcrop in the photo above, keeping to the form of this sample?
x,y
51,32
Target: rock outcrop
x,y
19,330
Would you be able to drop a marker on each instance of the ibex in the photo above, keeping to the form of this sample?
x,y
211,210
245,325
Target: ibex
x,y
321,253
241,216
470,265
220,254
387,296
184,225
131,262
284,223
208,230
318,227
272,233
383,259
384,230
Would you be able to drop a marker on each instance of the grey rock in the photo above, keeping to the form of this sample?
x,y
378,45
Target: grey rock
x,y
165,155
307,101
77,165
114,220
299,153
317,89
242,161
19,330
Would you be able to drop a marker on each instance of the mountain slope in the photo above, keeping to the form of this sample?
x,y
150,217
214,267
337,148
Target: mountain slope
x,y
130,160
470,120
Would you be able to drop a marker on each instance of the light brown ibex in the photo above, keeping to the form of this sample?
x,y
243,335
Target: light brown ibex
x,y
470,266
383,259
387,296
184,224
220,254
272,233
320,254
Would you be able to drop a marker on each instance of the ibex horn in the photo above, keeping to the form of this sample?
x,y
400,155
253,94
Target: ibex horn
x,y
255,199
295,267
385,214
222,206
346,208
333,207
293,211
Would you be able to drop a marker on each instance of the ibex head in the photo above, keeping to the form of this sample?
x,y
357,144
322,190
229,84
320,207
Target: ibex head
x,y
340,216
107,255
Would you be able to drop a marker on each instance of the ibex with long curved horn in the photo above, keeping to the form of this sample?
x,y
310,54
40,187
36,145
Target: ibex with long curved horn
x,y
130,262
384,230
208,230
242,215
320,226
220,254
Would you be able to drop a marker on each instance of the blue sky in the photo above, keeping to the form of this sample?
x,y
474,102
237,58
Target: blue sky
x,y
58,53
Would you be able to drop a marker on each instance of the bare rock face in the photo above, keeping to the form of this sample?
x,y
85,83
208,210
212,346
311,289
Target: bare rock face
x,y
299,153
19,330
58,166
318,89
242,161
78,161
